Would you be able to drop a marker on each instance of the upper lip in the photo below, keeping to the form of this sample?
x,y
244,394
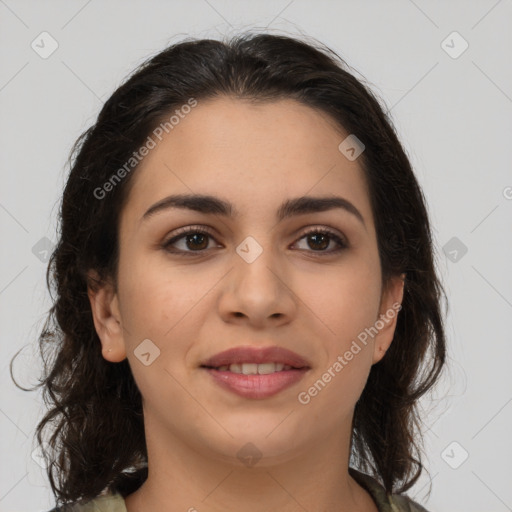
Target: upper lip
x,y
257,355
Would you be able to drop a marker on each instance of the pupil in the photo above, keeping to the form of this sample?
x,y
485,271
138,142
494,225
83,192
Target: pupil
x,y
194,237
326,240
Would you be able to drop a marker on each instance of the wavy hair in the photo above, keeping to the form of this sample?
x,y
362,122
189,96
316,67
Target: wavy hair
x,y
97,442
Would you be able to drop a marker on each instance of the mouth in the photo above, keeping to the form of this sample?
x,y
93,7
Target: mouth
x,y
256,373
254,368
250,360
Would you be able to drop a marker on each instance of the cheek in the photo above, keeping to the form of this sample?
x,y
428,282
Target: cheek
x,y
341,300
347,311
342,303
163,304
158,313
154,295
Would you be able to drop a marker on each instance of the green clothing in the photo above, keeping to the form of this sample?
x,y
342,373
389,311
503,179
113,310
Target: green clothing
x,y
393,503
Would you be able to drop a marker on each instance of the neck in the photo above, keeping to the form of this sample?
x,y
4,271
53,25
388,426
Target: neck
x,y
182,477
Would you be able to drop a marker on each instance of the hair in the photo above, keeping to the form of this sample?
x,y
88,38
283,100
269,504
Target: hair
x,y
97,441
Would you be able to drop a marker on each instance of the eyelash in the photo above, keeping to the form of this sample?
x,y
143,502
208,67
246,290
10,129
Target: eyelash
x,y
201,230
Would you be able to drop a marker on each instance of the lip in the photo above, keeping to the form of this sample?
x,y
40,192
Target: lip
x,y
258,355
256,387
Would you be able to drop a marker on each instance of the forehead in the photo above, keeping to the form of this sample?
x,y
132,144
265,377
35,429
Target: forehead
x,y
254,153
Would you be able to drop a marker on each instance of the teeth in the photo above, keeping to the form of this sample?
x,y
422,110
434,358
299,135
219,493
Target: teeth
x,y
254,369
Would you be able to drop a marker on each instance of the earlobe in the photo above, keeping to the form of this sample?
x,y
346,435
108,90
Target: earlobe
x,y
391,303
107,318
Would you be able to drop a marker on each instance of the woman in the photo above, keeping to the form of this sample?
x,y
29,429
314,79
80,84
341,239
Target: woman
x,y
247,308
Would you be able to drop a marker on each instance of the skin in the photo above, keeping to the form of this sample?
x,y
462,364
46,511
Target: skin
x,y
255,156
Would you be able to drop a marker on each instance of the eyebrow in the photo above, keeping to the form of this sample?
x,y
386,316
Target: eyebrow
x,y
213,205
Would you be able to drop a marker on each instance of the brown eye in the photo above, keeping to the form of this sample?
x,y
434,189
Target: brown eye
x,y
318,240
189,240
196,241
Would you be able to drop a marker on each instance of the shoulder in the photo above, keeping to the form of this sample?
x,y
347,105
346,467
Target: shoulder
x,y
385,502
399,503
107,503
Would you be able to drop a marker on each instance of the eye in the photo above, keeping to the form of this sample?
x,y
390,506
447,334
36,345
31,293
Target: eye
x,y
320,238
195,239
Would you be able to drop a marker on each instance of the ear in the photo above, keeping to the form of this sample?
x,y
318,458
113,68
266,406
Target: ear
x,y
390,304
107,317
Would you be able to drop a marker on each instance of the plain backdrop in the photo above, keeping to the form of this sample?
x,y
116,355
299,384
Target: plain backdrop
x,y
442,68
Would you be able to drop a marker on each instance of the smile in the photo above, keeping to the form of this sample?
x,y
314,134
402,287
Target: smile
x,y
255,369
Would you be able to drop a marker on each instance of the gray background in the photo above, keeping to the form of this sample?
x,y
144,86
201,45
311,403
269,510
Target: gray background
x,y
453,112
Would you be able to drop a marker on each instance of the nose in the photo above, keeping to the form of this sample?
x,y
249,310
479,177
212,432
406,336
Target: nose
x,y
258,292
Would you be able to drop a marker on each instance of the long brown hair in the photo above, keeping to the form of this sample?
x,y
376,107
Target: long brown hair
x,y
97,441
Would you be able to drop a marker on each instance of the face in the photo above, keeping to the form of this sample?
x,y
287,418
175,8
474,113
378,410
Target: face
x,y
308,282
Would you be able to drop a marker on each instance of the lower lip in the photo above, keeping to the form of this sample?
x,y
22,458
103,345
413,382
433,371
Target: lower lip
x,y
257,386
